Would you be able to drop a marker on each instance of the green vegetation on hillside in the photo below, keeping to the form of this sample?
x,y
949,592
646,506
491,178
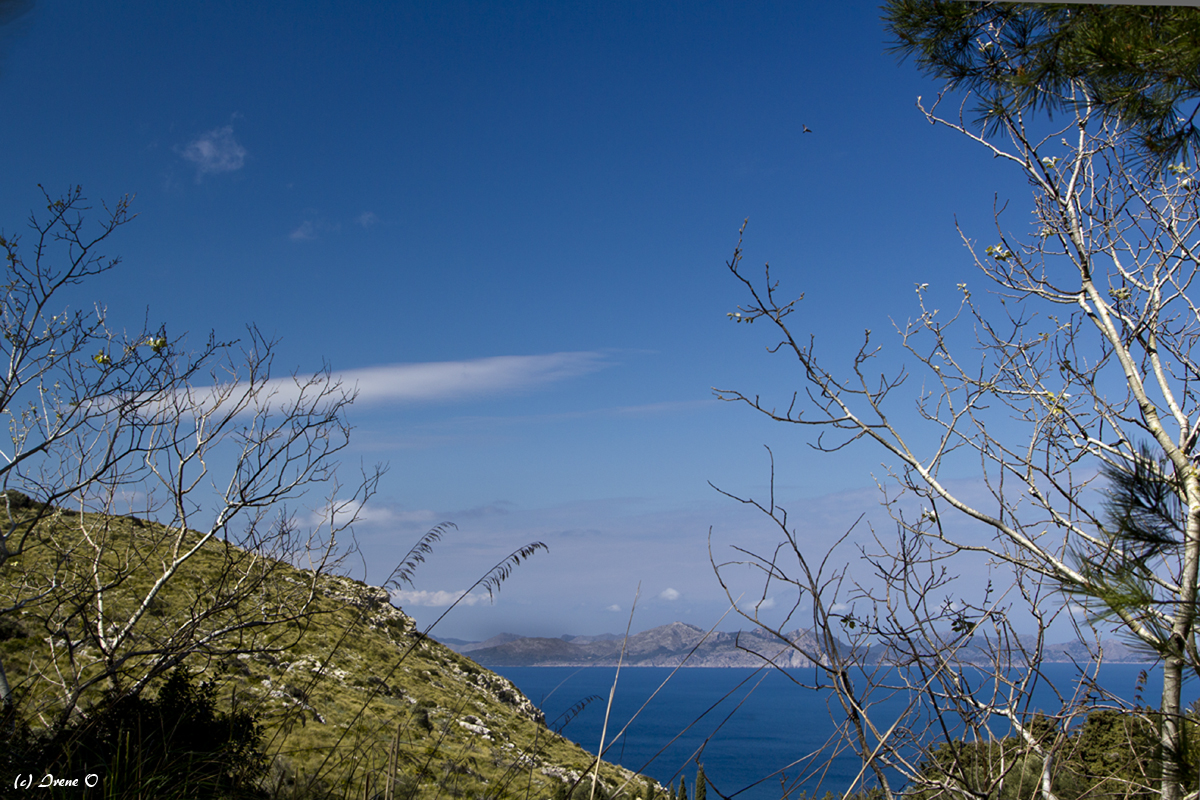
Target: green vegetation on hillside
x,y
1111,754
350,700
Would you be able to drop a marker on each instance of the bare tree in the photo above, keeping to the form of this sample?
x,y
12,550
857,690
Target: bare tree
x,y
1076,365
910,661
202,449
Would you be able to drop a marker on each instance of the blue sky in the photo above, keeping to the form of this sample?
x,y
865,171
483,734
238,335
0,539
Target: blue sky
x,y
508,223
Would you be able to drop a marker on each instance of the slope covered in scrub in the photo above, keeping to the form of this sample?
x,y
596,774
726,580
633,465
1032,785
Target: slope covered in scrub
x,y
352,699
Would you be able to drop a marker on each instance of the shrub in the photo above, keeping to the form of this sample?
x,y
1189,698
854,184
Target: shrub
x,y
174,746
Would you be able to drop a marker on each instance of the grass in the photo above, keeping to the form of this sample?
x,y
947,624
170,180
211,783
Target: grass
x,y
353,700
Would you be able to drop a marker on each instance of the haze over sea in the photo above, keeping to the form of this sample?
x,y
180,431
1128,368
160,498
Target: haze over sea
x,y
752,723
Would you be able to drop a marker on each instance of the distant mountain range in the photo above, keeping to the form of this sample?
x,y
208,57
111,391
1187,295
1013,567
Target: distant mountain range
x,y
668,645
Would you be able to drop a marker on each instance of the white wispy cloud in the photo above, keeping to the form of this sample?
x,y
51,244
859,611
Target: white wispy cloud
x,y
341,512
669,594
304,231
452,379
314,226
214,152
438,599
613,607
763,605
1076,609
403,383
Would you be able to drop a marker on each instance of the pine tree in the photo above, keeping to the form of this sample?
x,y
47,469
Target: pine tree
x,y
1140,63
701,783
1144,519
682,788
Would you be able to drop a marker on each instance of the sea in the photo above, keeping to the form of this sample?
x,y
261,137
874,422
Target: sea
x,y
751,729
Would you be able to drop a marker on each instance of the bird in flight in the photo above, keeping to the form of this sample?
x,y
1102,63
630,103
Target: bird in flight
x,y
806,129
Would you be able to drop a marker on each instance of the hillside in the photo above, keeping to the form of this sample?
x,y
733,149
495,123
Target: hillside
x,y
336,689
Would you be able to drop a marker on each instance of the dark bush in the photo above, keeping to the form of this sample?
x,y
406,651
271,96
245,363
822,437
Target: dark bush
x,y
174,746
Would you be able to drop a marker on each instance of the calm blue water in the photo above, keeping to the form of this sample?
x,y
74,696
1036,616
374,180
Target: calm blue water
x,y
751,723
